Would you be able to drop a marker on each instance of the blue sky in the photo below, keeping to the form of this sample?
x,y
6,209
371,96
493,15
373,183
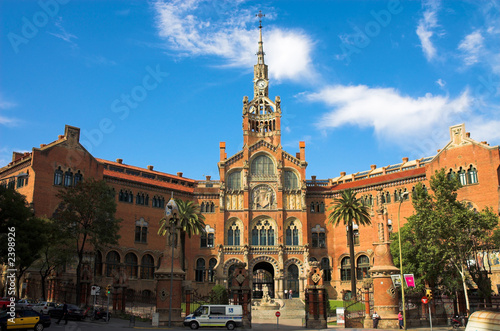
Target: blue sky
x,y
161,82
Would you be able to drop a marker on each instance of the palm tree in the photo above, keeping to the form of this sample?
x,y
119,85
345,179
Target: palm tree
x,y
350,210
190,220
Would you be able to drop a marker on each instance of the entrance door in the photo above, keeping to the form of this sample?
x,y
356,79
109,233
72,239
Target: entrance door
x,y
263,280
292,279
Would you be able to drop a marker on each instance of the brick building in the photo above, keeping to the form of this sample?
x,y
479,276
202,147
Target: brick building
x,y
262,211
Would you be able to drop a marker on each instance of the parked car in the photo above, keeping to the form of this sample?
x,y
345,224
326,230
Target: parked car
x,y
25,319
25,304
44,307
74,312
4,302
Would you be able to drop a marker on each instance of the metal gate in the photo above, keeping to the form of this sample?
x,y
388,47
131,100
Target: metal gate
x,y
262,280
293,280
354,310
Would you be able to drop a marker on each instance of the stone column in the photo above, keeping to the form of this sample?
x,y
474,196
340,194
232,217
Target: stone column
x,y
316,289
241,292
164,276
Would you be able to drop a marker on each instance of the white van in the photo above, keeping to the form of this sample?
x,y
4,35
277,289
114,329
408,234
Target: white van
x,y
229,316
483,321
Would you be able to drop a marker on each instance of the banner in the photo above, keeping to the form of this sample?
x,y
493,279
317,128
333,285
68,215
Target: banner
x,y
410,280
396,280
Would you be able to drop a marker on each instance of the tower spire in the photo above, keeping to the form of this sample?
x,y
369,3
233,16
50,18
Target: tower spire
x,y
260,53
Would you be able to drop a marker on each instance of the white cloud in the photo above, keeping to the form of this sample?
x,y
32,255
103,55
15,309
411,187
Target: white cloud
x,y
233,37
441,82
425,29
63,34
4,105
471,46
394,117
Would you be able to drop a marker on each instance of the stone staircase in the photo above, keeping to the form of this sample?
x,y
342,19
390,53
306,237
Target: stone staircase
x,y
289,308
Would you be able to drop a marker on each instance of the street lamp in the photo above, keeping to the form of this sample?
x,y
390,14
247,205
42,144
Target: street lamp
x,y
402,198
171,212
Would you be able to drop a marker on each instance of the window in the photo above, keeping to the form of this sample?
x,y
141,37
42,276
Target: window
x,y
207,240
58,176
78,178
362,268
291,180
262,165
98,263
292,234
126,196
318,237
472,175
462,176
141,231
112,262
158,202
325,265
263,234
345,269
131,265
211,270
234,181
233,235
142,199
451,174
147,267
200,270
68,178
207,207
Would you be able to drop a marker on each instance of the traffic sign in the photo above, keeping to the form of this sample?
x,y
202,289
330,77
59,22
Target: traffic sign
x,y
425,300
278,314
94,290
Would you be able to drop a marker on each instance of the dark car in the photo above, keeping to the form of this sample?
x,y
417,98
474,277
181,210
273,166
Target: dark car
x,y
25,319
74,312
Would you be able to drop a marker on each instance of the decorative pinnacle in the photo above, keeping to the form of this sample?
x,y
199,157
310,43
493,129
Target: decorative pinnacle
x,y
260,53
260,15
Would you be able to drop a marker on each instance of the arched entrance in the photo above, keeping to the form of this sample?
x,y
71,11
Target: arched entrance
x,y
262,279
292,280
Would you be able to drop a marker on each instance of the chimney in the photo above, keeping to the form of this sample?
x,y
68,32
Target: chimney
x,y
43,145
61,136
222,146
373,166
150,167
302,146
405,159
119,161
467,134
484,142
313,178
179,174
297,155
208,178
342,174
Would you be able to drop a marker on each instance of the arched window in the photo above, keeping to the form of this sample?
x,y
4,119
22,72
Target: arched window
x,y
345,269
292,234
327,273
321,207
234,181
131,265
263,234
451,174
68,178
141,231
312,207
233,235
387,197
472,175
291,180
202,207
200,270
207,240
147,267
78,178
462,176
212,207
211,269
112,262
98,263
318,237
58,176
262,165
362,267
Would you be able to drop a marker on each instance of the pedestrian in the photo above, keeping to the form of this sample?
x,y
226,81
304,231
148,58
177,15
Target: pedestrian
x,y
289,294
375,318
286,294
401,322
64,314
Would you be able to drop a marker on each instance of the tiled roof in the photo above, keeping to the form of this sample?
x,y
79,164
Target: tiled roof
x,y
148,181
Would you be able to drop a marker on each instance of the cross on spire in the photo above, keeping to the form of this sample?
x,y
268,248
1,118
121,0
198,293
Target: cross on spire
x,y
260,15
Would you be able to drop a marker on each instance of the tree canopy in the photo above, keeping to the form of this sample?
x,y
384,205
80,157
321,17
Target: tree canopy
x,y
443,242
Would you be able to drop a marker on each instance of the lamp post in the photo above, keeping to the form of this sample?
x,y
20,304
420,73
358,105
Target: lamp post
x,y
171,212
403,196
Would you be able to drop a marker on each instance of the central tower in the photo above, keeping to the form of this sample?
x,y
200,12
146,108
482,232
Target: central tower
x,y
261,116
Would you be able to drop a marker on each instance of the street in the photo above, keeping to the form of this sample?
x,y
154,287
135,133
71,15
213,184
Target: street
x,y
285,324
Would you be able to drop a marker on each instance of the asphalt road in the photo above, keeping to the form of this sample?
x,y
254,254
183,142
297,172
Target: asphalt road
x,y
259,325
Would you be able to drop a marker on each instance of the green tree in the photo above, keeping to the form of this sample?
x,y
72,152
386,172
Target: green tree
x,y
54,254
191,222
86,215
350,211
219,295
20,248
444,240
